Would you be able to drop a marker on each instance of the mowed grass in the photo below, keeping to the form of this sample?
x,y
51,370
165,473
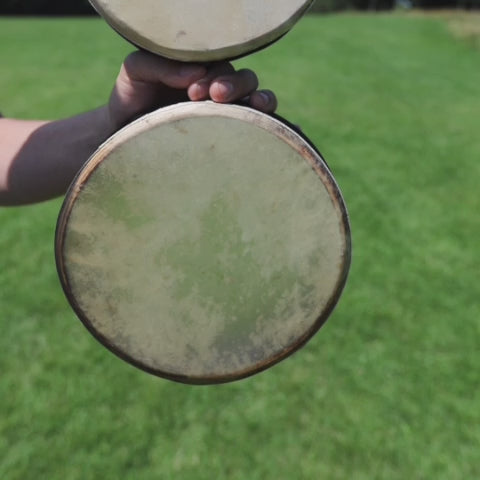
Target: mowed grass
x,y
389,387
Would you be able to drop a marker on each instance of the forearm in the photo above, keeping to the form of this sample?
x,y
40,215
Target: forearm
x,y
38,160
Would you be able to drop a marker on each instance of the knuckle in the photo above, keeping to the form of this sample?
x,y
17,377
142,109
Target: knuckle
x,y
220,69
249,76
131,59
271,96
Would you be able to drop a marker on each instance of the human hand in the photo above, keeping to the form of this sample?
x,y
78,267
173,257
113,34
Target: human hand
x,y
147,82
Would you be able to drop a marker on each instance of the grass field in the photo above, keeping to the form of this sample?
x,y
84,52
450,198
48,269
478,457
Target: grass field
x,y
388,389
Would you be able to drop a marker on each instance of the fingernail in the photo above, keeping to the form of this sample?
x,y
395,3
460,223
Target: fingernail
x,y
199,89
225,89
265,98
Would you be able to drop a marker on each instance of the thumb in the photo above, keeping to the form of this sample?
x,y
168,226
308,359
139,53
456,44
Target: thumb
x,y
146,67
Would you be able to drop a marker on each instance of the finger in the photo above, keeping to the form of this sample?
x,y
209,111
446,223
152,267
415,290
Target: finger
x,y
200,89
263,100
229,88
145,67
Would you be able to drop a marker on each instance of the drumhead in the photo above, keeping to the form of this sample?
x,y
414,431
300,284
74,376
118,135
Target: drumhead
x,y
201,30
203,243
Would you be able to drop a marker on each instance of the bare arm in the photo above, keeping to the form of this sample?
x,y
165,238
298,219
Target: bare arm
x,y
38,159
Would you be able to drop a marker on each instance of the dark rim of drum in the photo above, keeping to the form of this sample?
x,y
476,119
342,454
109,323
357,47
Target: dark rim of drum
x,y
319,166
248,49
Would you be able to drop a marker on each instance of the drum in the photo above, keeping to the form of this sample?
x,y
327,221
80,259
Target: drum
x,y
204,243
201,30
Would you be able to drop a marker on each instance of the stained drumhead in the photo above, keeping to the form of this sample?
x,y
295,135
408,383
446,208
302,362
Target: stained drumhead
x,y
201,30
204,242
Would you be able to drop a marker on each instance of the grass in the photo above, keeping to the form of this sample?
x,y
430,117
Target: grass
x,y
388,389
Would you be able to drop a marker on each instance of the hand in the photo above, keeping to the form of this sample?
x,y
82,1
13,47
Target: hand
x,y
147,82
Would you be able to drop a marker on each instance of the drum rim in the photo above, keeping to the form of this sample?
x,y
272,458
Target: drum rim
x,y
229,52
281,129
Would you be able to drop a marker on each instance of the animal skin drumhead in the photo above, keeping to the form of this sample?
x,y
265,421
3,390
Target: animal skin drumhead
x,y
203,242
201,30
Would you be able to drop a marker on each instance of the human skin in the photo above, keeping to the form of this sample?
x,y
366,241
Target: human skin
x,y
39,159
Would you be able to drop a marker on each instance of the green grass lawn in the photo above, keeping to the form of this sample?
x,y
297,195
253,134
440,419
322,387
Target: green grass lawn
x,y
388,389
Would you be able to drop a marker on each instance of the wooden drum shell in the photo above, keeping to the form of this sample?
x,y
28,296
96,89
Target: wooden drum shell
x,y
201,30
204,243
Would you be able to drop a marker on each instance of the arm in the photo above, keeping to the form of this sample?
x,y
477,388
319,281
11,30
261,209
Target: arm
x,y
38,159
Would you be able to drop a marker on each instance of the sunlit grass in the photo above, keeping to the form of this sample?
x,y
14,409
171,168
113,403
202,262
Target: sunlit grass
x,y
388,389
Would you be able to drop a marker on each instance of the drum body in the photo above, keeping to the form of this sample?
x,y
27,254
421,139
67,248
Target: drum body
x,y
201,30
203,243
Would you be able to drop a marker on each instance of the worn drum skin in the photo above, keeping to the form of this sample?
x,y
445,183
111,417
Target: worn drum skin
x,y
201,30
203,243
